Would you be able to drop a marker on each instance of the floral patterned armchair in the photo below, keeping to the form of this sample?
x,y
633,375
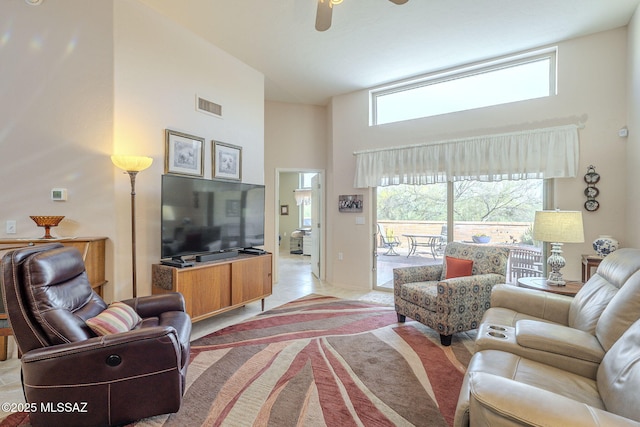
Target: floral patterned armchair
x,y
450,305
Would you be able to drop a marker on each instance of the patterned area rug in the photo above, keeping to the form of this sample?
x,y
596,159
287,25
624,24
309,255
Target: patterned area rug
x,y
322,361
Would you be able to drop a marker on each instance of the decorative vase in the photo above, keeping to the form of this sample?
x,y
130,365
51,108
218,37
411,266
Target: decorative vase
x,y
604,245
47,221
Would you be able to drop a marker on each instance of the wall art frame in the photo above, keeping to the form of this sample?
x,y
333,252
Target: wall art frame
x,y
350,203
184,154
284,209
226,161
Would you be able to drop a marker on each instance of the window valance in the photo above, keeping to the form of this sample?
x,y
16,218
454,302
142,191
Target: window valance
x,y
541,153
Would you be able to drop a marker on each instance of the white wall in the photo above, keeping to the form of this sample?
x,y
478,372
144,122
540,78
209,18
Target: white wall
x,y
591,88
81,80
633,142
159,69
56,117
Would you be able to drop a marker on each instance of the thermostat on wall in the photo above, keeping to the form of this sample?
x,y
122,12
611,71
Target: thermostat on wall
x,y
59,194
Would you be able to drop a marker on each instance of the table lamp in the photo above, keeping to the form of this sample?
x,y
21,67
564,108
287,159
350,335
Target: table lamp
x,y
557,227
132,165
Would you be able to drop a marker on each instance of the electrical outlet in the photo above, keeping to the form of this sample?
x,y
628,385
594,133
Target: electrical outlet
x,y
11,226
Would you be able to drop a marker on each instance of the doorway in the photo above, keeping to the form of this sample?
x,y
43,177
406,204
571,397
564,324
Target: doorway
x,y
299,222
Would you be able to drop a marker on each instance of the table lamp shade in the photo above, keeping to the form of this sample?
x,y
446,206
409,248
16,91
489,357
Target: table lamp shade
x,y
558,226
132,163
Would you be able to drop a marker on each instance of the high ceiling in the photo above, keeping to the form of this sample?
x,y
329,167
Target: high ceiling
x,y
372,42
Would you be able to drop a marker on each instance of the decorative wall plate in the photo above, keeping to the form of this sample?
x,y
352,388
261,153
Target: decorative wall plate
x,y
591,177
591,205
591,192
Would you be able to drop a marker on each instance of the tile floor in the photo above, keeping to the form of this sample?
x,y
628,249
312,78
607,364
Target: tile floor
x,y
295,281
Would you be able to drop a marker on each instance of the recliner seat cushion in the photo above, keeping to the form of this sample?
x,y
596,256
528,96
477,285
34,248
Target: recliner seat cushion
x,y
537,374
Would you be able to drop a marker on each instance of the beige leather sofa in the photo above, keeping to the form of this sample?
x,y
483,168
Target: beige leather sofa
x,y
545,359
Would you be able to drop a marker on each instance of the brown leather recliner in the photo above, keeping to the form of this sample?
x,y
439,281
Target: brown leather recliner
x,y
71,376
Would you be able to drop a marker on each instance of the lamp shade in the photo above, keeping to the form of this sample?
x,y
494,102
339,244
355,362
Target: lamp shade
x,y
132,163
558,226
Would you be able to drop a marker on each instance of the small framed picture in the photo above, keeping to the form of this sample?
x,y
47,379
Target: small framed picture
x,y
284,209
184,154
227,161
350,203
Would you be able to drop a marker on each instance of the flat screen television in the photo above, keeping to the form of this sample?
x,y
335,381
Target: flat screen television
x,y
202,216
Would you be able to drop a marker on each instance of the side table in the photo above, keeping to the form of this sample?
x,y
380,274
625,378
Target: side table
x,y
589,262
571,288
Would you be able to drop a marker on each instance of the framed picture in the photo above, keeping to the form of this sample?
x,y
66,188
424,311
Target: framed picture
x,y
284,209
184,154
350,203
227,161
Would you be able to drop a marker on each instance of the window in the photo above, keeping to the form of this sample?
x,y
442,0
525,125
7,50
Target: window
x,y
305,207
498,82
425,217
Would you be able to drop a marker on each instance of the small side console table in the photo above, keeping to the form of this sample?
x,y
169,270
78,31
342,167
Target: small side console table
x,y
589,262
571,288
91,248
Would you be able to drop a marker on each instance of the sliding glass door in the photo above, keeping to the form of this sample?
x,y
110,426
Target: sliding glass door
x,y
418,221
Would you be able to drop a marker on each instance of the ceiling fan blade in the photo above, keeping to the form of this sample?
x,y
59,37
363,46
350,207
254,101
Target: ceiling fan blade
x,y
399,1
323,16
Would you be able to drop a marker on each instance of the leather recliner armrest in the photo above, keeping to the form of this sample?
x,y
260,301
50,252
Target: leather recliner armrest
x,y
155,305
543,305
501,401
559,339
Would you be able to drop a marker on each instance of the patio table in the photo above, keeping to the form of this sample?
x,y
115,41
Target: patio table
x,y
431,241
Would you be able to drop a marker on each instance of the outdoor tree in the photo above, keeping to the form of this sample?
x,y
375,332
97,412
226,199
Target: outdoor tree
x,y
503,201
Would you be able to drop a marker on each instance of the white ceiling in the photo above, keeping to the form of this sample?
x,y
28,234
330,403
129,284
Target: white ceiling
x,y
372,42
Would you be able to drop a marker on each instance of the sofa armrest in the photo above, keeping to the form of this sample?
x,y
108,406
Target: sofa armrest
x,y
460,287
422,273
559,339
544,305
501,401
155,305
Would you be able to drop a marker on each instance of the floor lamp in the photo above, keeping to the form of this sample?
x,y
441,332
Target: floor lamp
x,y
557,227
132,165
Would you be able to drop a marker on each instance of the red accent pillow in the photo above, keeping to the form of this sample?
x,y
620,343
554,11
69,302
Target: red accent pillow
x,y
457,267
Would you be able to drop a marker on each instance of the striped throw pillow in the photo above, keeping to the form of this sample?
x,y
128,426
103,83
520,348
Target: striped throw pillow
x,y
117,318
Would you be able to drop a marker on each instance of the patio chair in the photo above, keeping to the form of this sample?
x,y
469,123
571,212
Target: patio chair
x,y
387,241
524,262
442,244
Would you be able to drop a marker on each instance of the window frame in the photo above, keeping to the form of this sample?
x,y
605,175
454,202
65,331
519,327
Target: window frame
x,y
550,54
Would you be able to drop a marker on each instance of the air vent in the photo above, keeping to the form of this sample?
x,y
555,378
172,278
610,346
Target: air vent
x,y
208,107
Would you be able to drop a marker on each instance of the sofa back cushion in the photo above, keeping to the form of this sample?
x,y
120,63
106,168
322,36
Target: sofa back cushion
x,y
619,375
590,302
621,312
486,258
